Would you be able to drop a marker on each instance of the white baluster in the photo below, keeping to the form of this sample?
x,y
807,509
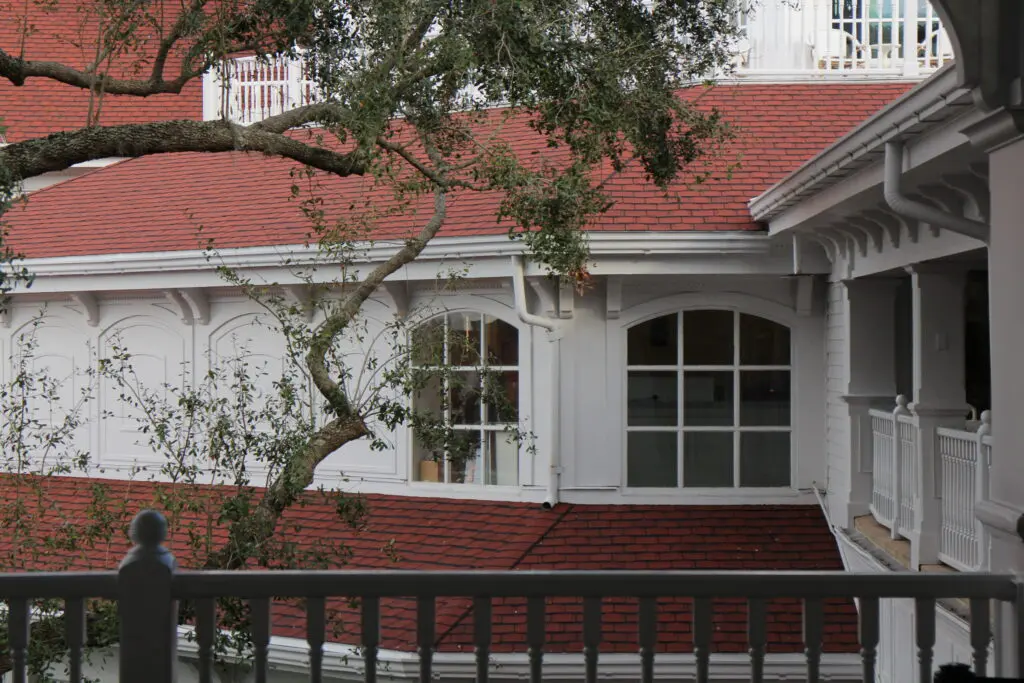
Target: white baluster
x,y
897,461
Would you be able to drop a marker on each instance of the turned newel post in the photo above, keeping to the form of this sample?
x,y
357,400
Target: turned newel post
x,y
148,613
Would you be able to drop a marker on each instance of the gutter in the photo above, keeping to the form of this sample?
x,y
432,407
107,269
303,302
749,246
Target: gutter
x,y
929,103
555,333
915,210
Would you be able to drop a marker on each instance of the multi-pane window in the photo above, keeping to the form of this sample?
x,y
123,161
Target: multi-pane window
x,y
708,401
471,396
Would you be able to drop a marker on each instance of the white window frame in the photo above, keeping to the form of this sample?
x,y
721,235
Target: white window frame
x,y
736,429
484,427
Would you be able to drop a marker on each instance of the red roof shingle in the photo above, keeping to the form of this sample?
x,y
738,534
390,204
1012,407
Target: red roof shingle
x,y
438,534
64,31
159,203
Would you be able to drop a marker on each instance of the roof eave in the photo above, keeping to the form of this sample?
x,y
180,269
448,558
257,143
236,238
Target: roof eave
x,y
925,105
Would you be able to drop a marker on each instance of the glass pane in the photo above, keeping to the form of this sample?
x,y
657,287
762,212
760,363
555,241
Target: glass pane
x,y
764,459
763,342
707,459
764,398
502,342
707,337
427,463
464,462
708,398
429,397
502,459
464,339
464,388
652,398
501,393
428,342
651,459
655,342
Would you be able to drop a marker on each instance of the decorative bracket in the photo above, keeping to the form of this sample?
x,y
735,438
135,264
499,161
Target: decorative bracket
x,y
972,188
199,303
399,293
857,236
89,304
184,309
871,230
5,316
613,297
890,223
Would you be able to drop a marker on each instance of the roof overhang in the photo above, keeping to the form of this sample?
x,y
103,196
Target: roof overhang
x,y
929,117
478,257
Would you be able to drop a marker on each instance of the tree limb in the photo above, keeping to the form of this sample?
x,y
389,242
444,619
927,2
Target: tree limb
x,y
18,70
63,150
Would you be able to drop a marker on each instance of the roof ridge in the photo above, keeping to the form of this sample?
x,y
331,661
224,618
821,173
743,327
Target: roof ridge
x,y
526,553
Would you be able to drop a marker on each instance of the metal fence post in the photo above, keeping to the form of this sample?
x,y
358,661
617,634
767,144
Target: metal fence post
x,y
149,614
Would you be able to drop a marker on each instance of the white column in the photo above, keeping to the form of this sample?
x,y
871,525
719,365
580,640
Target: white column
x,y
1006,320
939,391
870,382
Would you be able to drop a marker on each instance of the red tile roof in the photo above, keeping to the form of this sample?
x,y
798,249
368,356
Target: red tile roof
x,y
434,533
158,203
64,33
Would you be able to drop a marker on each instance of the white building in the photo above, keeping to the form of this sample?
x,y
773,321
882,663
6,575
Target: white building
x,y
866,248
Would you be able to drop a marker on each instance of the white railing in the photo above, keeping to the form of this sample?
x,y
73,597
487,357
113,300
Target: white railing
x,y
252,89
894,449
147,588
897,37
964,459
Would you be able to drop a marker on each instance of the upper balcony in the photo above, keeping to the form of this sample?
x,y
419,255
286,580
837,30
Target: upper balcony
x,y
781,40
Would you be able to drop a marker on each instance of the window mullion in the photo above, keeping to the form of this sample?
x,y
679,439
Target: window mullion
x,y
736,400
681,401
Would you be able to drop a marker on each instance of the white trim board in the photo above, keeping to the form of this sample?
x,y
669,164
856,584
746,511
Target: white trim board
x,y
626,253
346,662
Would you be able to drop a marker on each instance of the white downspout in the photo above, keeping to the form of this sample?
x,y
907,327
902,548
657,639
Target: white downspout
x,y
908,208
555,332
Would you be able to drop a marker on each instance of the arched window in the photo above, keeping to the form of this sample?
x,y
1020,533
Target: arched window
x,y
474,395
708,401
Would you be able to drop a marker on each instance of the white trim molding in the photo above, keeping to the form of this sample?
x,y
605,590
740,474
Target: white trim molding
x,y
291,655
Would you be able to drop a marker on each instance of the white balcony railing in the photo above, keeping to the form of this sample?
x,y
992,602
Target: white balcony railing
x,y
896,37
787,38
894,449
961,462
246,90
147,588
964,459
